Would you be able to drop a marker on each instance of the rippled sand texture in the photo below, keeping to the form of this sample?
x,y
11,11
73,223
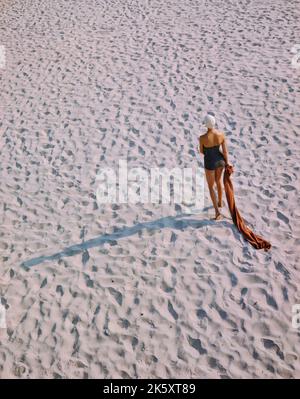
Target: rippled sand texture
x,y
147,291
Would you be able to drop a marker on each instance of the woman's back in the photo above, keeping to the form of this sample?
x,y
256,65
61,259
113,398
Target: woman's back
x,y
212,138
213,157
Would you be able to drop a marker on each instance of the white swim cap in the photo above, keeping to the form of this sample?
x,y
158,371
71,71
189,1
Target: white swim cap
x,y
209,121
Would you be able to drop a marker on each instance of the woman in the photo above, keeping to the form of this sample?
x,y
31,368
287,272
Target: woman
x,y
214,160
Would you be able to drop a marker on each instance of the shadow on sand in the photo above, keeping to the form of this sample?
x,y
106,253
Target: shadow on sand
x,y
172,222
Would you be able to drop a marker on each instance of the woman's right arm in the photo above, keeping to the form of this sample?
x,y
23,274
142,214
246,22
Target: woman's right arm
x,y
201,146
224,149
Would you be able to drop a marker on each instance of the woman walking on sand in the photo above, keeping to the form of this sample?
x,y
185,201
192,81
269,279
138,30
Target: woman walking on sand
x,y
214,160
214,163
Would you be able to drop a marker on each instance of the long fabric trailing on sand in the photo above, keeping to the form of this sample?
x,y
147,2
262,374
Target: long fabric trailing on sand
x,y
255,240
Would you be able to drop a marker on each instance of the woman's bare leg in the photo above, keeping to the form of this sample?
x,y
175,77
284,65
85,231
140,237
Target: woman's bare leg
x,y
210,178
218,178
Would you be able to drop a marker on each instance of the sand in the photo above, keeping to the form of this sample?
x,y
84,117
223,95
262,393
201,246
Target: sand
x,y
149,290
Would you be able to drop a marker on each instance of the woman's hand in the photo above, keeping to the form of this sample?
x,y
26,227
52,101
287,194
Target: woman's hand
x,y
229,168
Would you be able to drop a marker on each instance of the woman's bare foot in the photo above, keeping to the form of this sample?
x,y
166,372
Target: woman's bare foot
x,y
218,216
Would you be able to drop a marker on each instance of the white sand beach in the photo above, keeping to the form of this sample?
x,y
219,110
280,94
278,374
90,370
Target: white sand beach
x,y
147,290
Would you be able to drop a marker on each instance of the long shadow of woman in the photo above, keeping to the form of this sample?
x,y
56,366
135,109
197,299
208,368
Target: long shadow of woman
x,y
172,222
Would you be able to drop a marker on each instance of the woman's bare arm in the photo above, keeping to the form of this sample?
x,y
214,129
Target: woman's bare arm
x,y
225,149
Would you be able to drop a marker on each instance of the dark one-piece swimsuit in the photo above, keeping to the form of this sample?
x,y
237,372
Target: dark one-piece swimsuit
x,y
213,157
